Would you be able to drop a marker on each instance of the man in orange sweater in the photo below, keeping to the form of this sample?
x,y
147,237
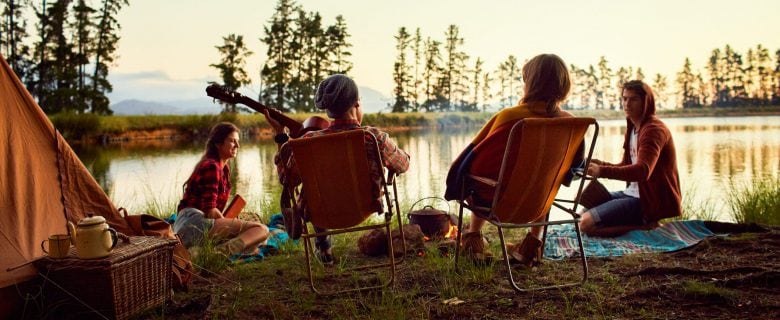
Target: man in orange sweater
x,y
649,167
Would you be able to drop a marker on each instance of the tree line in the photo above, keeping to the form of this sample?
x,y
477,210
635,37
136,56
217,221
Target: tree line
x,y
301,52
436,75
64,55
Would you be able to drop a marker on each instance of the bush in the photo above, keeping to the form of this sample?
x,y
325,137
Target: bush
x,y
75,126
759,202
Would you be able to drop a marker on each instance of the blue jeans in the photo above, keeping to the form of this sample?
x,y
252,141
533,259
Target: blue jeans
x,y
622,210
191,224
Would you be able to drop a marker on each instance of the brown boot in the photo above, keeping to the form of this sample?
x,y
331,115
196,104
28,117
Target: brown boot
x,y
474,247
528,253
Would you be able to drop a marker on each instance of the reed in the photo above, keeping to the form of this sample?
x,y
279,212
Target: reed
x,y
699,210
758,202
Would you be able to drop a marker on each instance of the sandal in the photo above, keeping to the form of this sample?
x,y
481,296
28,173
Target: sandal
x,y
528,253
474,247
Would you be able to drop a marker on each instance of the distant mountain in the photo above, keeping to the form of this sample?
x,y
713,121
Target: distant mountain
x,y
138,107
372,101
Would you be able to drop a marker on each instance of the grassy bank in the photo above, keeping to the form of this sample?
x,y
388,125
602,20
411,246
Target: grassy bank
x,y
87,126
722,278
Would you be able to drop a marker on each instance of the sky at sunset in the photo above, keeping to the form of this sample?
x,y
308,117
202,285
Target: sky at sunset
x,y
166,46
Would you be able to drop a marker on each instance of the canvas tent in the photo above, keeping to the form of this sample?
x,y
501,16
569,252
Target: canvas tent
x,y
43,184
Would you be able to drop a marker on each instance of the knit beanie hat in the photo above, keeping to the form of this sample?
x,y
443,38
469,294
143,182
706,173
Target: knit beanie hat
x,y
336,94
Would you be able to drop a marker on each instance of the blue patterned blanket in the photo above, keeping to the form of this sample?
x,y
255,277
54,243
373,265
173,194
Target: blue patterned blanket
x,y
672,236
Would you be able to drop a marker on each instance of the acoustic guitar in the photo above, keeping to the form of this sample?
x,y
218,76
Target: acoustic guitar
x,y
297,129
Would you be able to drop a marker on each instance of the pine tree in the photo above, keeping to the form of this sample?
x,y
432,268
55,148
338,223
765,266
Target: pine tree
x,y
640,75
434,93
231,65
477,79
591,85
298,92
401,72
339,45
660,85
764,71
604,94
56,81
486,94
83,37
417,50
107,41
733,76
717,80
453,80
622,76
277,71
509,77
13,34
686,84
776,86
750,72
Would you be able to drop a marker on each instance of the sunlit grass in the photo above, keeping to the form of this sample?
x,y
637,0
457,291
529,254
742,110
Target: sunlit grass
x,y
694,209
758,202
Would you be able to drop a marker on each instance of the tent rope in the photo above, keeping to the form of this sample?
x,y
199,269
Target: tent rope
x,y
72,296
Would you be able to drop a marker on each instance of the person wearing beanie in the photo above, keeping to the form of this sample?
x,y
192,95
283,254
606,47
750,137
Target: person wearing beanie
x,y
338,96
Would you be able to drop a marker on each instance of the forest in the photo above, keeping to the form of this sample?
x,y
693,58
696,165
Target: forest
x,y
64,50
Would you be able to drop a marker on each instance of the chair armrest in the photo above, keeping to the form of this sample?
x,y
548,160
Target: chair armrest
x,y
482,180
580,173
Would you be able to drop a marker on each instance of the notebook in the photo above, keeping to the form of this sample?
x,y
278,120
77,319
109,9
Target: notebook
x,y
235,207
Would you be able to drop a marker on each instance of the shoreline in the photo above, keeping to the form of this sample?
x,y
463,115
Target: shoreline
x,y
178,128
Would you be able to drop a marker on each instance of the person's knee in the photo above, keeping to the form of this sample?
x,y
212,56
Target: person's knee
x,y
587,225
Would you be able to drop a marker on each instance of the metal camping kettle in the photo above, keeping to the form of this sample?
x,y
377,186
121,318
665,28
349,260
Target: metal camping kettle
x,y
93,237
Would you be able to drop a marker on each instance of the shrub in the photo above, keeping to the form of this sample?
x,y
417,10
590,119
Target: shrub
x,y
759,202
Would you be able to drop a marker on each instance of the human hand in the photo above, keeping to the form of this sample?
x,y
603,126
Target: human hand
x,y
275,125
594,170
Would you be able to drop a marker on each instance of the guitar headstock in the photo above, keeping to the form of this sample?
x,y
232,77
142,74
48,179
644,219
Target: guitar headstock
x,y
224,94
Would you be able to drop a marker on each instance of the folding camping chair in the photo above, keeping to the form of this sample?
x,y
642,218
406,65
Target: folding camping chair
x,y
538,155
336,189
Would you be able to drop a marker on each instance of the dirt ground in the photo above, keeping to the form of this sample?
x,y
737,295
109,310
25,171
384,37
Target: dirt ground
x,y
733,277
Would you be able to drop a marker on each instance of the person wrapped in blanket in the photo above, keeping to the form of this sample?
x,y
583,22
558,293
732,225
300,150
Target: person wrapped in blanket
x,y
648,166
338,95
205,196
547,84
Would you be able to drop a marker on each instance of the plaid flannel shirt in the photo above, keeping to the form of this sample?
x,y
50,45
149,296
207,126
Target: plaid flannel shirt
x,y
208,187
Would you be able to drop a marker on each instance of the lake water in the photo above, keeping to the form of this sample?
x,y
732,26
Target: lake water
x,y
713,154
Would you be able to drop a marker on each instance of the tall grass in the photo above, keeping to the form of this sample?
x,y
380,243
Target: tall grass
x,y
758,202
692,209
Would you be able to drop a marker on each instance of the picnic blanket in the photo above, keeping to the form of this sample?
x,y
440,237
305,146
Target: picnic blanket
x,y
675,235
278,236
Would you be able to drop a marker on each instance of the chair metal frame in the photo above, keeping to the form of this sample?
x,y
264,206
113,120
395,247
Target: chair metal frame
x,y
567,205
391,207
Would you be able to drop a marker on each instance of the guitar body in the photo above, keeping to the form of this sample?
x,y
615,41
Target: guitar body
x,y
296,128
312,123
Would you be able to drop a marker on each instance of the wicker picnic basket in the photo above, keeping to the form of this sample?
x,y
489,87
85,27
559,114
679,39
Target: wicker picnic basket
x,y
135,277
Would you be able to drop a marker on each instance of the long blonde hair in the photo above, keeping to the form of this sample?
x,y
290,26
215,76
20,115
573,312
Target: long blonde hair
x,y
546,80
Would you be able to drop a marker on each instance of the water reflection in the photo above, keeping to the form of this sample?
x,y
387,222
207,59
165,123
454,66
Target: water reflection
x,y
713,154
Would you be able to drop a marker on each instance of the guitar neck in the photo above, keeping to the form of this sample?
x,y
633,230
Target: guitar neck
x,y
292,124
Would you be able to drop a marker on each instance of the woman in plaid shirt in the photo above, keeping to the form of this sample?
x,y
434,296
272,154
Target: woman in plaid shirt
x,y
206,194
